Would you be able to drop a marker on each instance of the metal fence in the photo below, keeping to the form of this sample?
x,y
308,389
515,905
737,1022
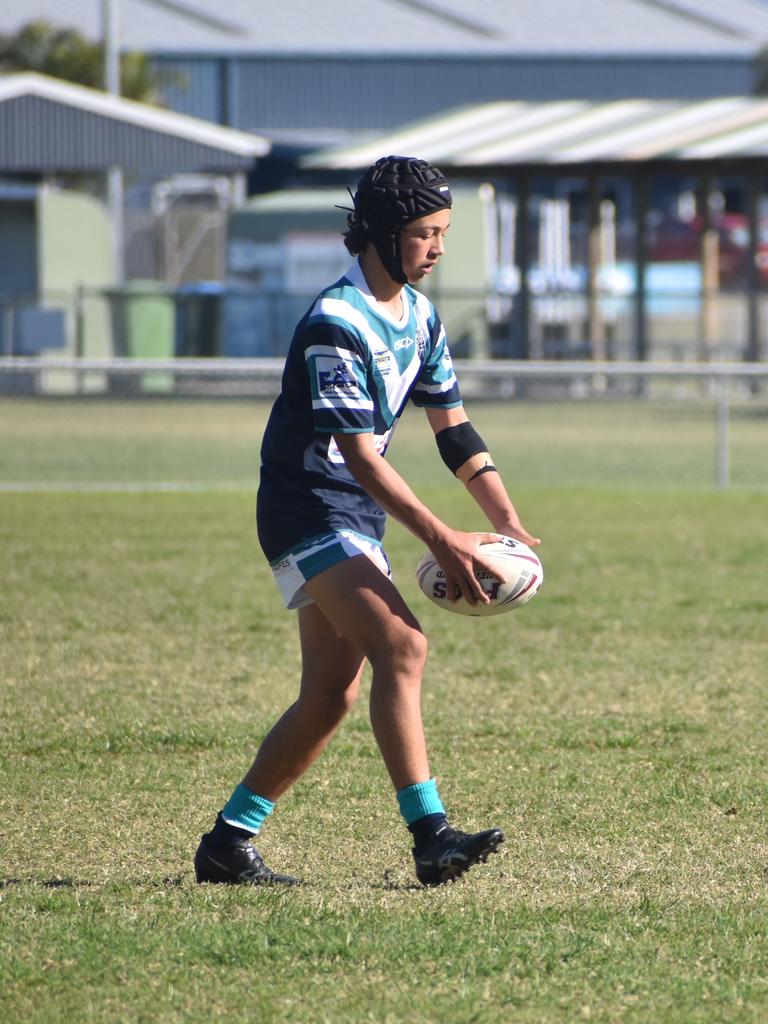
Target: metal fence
x,y
649,412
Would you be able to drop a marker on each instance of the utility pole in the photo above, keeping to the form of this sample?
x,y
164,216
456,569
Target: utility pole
x,y
111,77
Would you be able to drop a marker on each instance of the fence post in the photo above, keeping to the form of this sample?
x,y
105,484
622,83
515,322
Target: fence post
x,y
8,313
723,441
79,316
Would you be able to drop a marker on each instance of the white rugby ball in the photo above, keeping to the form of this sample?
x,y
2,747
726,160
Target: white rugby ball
x,y
520,576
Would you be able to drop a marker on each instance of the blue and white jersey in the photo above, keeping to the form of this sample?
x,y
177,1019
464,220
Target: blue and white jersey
x,y
351,368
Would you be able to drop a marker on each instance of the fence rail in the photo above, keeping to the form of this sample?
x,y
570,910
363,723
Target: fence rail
x,y
723,386
467,367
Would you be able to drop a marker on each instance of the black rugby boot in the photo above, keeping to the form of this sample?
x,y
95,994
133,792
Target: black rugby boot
x,y
450,853
237,863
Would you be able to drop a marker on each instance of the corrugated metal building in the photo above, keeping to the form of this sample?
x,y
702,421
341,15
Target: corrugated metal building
x,y
312,73
56,244
50,126
571,133
629,70
548,159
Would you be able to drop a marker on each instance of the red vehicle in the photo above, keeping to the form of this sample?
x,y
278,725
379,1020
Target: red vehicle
x,y
680,241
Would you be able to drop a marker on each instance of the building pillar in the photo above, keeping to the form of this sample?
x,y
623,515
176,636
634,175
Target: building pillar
x,y
753,187
710,272
596,335
524,263
640,187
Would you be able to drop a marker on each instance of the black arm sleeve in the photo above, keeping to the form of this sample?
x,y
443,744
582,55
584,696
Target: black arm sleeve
x,y
458,443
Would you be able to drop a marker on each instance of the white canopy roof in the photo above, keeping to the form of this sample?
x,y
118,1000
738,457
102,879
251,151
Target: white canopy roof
x,y
570,132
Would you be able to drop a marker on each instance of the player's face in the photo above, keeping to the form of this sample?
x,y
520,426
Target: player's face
x,y
422,243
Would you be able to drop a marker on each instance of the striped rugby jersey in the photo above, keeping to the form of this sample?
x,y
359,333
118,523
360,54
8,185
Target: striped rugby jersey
x,y
351,368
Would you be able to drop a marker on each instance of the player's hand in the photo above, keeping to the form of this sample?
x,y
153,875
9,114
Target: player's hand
x,y
460,555
514,528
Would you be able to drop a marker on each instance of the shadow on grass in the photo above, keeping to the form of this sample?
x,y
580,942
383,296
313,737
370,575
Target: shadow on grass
x,y
389,884
85,883
174,882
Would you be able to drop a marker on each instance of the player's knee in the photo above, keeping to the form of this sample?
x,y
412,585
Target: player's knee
x,y
417,647
342,702
405,651
328,706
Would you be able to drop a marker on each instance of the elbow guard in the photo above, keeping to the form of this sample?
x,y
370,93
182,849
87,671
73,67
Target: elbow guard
x,y
458,443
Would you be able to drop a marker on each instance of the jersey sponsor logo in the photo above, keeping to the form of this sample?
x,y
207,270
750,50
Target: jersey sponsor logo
x,y
402,343
381,441
421,342
383,362
334,455
336,378
380,444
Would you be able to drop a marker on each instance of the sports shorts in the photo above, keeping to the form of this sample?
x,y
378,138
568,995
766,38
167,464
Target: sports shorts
x,y
313,556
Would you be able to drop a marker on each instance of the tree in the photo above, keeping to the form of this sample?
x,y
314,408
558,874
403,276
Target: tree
x,y
65,53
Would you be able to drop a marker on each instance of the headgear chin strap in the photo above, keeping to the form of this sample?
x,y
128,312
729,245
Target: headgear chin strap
x,y
393,192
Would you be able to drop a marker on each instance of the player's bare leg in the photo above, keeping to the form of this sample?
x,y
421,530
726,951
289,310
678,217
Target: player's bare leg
x,y
329,684
367,608
369,611
330,680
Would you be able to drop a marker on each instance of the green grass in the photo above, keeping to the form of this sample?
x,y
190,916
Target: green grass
x,y
624,444
615,727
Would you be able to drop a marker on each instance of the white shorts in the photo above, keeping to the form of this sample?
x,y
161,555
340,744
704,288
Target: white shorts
x,y
313,556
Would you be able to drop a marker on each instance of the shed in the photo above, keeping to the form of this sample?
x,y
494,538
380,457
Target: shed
x,y
516,145
48,126
51,129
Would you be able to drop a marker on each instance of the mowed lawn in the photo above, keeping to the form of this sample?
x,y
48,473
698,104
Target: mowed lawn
x,y
615,728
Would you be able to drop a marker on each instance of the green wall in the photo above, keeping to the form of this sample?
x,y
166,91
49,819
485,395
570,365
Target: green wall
x,y
458,285
74,249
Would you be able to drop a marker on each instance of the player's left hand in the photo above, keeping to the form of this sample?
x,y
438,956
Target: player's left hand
x,y
514,528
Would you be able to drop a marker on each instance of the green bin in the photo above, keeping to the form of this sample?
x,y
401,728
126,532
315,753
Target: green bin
x,y
143,327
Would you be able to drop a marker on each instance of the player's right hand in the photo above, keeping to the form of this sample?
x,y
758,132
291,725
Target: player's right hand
x,y
460,556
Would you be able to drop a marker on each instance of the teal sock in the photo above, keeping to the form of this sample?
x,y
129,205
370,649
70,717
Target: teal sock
x,y
419,800
246,809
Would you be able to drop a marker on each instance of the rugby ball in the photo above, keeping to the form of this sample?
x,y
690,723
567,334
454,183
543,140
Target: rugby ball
x,y
520,576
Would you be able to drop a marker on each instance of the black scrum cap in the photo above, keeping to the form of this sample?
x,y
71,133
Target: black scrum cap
x,y
393,192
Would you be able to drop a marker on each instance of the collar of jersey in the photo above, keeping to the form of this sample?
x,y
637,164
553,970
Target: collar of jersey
x,y
356,277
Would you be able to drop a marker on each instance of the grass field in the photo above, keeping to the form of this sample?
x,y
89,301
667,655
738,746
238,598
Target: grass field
x,y
630,445
615,728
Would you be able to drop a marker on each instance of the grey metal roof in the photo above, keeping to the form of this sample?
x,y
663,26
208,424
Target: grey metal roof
x,y
646,27
570,132
47,124
308,102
